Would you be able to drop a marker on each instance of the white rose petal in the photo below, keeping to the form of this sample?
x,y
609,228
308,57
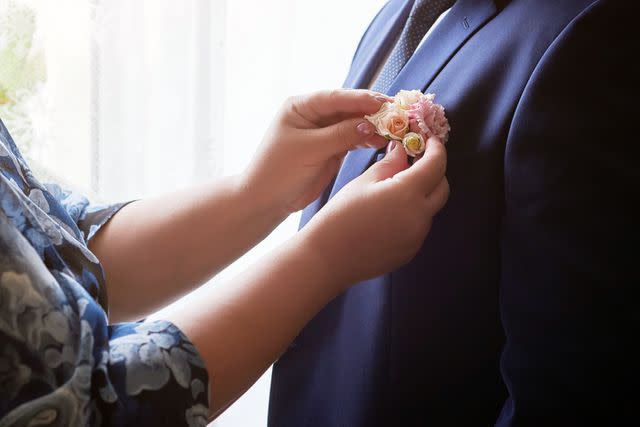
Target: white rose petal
x,y
408,97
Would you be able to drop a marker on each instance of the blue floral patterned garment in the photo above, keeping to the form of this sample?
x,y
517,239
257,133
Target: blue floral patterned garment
x,y
61,363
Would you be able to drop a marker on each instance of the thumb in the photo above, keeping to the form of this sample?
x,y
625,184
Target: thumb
x,y
346,135
395,161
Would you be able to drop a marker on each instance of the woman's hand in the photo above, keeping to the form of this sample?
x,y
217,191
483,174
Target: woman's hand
x,y
378,221
373,225
304,147
217,222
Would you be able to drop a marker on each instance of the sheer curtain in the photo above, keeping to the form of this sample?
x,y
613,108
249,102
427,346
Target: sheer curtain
x,y
158,94
131,98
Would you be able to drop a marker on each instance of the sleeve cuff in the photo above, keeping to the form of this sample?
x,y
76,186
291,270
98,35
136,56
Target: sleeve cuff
x,y
95,217
158,375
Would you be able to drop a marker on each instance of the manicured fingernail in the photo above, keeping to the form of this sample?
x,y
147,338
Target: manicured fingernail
x,y
364,128
391,146
383,98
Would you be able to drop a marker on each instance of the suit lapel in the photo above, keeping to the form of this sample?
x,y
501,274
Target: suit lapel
x,y
377,42
463,20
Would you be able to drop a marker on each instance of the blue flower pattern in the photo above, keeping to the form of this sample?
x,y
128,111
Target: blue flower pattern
x,y
61,363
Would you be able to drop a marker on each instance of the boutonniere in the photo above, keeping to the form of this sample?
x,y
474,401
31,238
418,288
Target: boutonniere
x,y
413,118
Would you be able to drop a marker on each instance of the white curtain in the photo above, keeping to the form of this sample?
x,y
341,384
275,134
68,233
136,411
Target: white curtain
x,y
158,94
138,97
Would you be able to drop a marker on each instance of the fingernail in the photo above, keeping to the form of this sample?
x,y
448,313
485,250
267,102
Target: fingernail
x,y
391,146
364,128
383,98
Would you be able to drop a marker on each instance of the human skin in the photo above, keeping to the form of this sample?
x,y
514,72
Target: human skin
x,y
155,250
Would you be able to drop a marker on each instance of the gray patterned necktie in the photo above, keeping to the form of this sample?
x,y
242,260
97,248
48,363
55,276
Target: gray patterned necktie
x,y
422,16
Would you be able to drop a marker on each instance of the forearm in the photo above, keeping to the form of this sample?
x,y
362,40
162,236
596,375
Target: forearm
x,y
153,251
241,327
156,250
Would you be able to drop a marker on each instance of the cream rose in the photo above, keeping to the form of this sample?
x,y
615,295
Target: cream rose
x,y
407,97
391,122
413,144
412,118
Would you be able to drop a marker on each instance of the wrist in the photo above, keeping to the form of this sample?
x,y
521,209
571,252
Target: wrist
x,y
320,261
261,206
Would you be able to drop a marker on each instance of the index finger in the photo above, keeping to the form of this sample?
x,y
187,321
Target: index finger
x,y
427,172
321,106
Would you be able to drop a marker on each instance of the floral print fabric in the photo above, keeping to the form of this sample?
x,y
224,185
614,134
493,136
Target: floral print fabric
x,y
61,363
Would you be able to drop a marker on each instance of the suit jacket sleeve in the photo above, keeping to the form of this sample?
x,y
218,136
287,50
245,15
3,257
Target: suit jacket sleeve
x,y
570,228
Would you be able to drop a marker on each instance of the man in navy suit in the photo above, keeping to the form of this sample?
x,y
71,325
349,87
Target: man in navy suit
x,y
517,311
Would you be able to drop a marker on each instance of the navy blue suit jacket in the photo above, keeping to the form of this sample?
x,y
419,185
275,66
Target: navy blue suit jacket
x,y
517,311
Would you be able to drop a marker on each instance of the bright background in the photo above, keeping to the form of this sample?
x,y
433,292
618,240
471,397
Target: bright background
x,y
129,98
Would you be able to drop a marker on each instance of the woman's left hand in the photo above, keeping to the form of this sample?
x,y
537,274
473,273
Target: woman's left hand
x,y
305,144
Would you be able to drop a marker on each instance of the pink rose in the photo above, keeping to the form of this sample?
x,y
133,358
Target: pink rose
x,y
412,118
391,122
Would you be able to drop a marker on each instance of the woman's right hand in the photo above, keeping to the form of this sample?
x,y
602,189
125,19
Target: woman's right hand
x,y
379,220
374,224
